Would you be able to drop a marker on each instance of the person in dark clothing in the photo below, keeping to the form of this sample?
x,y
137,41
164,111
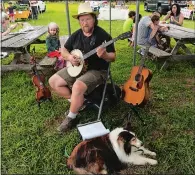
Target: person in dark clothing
x,y
89,37
34,7
10,9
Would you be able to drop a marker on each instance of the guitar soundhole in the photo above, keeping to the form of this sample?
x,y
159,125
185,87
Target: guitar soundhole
x,y
137,77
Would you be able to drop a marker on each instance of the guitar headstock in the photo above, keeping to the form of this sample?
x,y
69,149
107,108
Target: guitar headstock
x,y
125,35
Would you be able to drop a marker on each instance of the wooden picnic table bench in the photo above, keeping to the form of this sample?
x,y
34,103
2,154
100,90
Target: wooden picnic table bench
x,y
182,37
157,52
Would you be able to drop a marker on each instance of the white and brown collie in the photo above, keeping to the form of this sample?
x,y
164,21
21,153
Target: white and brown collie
x,y
109,153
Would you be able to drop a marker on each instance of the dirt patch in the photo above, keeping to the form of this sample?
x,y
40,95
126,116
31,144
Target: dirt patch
x,y
190,82
53,123
189,132
133,169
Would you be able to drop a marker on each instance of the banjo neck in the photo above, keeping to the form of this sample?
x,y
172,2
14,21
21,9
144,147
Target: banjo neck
x,y
76,70
87,55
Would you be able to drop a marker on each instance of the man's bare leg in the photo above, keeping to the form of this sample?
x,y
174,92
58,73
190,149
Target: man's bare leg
x,y
59,85
77,97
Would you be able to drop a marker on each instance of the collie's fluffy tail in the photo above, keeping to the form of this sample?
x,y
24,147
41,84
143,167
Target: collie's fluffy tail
x,y
81,171
71,165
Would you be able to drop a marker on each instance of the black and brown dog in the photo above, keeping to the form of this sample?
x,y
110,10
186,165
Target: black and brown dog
x,y
109,153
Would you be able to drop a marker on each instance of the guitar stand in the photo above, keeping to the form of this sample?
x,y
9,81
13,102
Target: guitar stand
x,y
131,111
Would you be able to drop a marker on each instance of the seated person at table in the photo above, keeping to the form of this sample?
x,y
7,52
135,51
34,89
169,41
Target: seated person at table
x,y
147,30
176,17
88,37
5,24
133,30
128,24
53,45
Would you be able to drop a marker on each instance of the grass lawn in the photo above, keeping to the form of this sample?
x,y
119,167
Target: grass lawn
x,y
31,145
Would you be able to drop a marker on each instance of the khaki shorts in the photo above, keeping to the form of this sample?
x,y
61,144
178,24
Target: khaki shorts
x,y
91,78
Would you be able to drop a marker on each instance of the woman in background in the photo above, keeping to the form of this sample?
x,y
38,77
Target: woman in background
x,y
175,15
176,18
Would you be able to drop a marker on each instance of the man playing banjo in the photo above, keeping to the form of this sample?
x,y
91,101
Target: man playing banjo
x,y
64,82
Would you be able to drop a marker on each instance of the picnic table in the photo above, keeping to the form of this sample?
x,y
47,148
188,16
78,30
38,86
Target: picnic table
x,y
19,44
182,37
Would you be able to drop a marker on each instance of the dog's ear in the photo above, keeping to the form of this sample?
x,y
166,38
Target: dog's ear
x,y
125,137
127,126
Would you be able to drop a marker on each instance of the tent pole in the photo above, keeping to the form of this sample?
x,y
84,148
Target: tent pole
x,y
110,17
67,17
136,29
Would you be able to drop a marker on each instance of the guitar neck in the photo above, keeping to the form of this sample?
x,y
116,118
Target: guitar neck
x,y
141,65
143,59
87,55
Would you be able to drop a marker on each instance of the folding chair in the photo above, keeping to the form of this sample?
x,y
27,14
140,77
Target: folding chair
x,y
94,99
96,128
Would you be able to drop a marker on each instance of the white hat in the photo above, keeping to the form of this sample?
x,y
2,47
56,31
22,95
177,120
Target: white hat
x,y
53,25
4,16
85,9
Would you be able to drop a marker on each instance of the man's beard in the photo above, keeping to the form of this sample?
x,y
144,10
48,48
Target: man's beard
x,y
88,29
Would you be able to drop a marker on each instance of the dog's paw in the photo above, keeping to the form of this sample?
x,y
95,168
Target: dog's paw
x,y
153,162
153,154
104,172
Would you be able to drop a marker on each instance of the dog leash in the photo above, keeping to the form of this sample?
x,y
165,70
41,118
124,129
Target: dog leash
x,y
66,153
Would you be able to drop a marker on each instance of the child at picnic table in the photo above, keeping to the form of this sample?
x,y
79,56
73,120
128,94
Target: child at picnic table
x,y
53,45
128,24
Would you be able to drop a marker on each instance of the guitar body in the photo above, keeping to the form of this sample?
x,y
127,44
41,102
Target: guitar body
x,y
137,87
74,71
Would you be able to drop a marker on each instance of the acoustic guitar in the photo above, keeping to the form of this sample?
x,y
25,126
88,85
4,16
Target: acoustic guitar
x,y
74,71
137,87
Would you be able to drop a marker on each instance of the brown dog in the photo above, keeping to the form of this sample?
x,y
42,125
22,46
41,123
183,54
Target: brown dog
x,y
109,153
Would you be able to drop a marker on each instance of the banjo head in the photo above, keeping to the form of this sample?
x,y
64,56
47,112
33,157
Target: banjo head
x,y
75,70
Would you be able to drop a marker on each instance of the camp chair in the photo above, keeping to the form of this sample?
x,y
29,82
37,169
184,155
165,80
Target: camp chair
x,y
96,128
102,93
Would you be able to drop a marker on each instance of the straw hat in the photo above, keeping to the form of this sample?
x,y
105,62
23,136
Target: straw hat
x,y
85,9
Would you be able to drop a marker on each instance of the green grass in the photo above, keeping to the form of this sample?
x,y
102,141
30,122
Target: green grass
x,y
31,145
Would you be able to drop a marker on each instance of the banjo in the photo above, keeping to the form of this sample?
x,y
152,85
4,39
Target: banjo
x,y
74,71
